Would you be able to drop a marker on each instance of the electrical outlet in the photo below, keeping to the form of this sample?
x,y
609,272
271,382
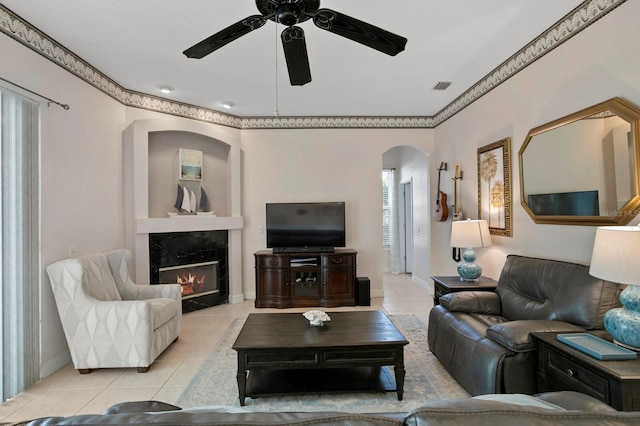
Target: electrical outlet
x,y
72,251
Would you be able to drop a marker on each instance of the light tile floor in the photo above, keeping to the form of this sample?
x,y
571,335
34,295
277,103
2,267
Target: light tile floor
x,y
66,392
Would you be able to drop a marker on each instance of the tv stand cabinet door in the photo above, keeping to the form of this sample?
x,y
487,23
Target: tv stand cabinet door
x,y
305,287
273,288
338,280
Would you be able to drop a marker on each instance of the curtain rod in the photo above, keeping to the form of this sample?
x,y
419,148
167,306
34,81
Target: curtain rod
x,y
51,101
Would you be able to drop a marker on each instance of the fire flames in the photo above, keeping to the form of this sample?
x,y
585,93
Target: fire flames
x,y
191,283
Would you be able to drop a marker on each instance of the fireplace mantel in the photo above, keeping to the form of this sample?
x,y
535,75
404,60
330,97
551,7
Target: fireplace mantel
x,y
186,224
137,167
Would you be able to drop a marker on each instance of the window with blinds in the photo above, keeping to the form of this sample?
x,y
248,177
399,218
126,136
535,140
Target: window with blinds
x,y
387,182
20,269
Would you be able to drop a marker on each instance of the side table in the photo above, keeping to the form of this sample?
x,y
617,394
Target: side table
x,y
561,367
452,284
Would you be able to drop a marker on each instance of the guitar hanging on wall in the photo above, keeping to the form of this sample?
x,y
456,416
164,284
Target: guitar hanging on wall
x,y
442,211
457,213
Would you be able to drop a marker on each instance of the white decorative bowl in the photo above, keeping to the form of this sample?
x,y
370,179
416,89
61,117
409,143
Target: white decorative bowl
x,y
316,318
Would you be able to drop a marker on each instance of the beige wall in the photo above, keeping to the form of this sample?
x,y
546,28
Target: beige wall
x,y
321,165
596,65
82,201
80,175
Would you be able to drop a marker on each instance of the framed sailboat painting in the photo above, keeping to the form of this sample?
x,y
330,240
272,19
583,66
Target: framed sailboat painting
x,y
190,164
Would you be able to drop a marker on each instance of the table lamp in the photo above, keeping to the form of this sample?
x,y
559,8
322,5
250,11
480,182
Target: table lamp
x,y
616,250
468,234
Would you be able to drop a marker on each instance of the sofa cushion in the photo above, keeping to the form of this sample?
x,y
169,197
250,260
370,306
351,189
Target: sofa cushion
x,y
570,400
516,335
519,399
98,281
140,407
543,289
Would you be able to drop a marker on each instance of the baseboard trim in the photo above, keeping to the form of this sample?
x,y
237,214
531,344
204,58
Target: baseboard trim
x,y
55,364
424,284
236,298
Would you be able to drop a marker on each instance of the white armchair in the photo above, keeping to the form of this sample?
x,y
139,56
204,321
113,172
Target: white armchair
x,y
108,320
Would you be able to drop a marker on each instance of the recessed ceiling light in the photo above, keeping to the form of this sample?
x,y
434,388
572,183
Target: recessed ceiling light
x,y
165,89
227,104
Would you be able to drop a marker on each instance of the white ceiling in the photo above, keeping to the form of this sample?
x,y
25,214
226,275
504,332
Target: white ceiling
x,y
139,44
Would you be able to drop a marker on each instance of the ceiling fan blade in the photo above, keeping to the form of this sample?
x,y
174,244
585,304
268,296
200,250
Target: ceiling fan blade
x,y
295,52
359,31
226,36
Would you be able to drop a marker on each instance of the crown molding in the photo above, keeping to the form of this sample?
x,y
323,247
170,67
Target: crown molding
x,y
574,22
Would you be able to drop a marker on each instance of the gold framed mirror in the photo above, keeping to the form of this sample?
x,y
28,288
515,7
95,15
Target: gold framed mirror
x,y
582,169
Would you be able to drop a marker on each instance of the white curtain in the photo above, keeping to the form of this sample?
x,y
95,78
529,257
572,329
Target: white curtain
x,y
394,232
19,243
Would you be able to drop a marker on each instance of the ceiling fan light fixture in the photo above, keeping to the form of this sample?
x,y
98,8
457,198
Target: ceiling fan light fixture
x,y
288,14
227,104
165,89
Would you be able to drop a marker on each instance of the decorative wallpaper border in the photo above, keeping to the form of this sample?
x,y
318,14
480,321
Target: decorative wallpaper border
x,y
577,20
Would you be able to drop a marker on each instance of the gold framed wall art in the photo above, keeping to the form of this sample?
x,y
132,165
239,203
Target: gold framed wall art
x,y
494,186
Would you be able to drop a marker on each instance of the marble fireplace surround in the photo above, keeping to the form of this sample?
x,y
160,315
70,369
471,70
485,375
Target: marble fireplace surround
x,y
138,222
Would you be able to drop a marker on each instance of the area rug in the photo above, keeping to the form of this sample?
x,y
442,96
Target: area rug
x,y
426,380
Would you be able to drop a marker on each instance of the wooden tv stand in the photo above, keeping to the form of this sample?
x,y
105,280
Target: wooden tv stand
x,y
301,279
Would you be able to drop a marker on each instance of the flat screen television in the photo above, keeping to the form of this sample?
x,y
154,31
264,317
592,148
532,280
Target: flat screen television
x,y
309,227
579,203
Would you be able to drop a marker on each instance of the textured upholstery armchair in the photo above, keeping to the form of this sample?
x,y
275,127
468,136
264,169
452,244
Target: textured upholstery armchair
x,y
483,338
108,320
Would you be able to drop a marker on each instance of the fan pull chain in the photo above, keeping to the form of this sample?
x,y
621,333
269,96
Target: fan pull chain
x,y
277,111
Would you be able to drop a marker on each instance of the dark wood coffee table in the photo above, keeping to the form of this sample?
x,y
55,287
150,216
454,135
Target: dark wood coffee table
x,y
283,353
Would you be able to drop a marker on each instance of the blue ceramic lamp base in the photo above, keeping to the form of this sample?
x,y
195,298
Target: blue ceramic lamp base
x,y
468,270
623,324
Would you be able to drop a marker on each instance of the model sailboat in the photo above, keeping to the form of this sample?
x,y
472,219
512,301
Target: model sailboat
x,y
186,202
179,198
204,201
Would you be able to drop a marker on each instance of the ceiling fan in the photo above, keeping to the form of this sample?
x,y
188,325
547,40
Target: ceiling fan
x,y
290,13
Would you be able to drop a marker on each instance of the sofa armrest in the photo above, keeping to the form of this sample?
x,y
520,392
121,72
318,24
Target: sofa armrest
x,y
120,264
516,335
472,302
155,291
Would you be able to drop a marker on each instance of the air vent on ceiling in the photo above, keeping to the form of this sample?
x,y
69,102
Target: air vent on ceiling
x,y
442,85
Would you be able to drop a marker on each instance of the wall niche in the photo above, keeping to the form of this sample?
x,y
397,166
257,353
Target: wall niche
x,y
150,176
164,149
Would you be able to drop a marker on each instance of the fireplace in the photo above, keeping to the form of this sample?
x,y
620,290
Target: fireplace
x,y
197,279
195,260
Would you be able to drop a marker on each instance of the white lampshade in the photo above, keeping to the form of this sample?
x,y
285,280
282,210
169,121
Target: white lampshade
x,y
616,251
470,233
